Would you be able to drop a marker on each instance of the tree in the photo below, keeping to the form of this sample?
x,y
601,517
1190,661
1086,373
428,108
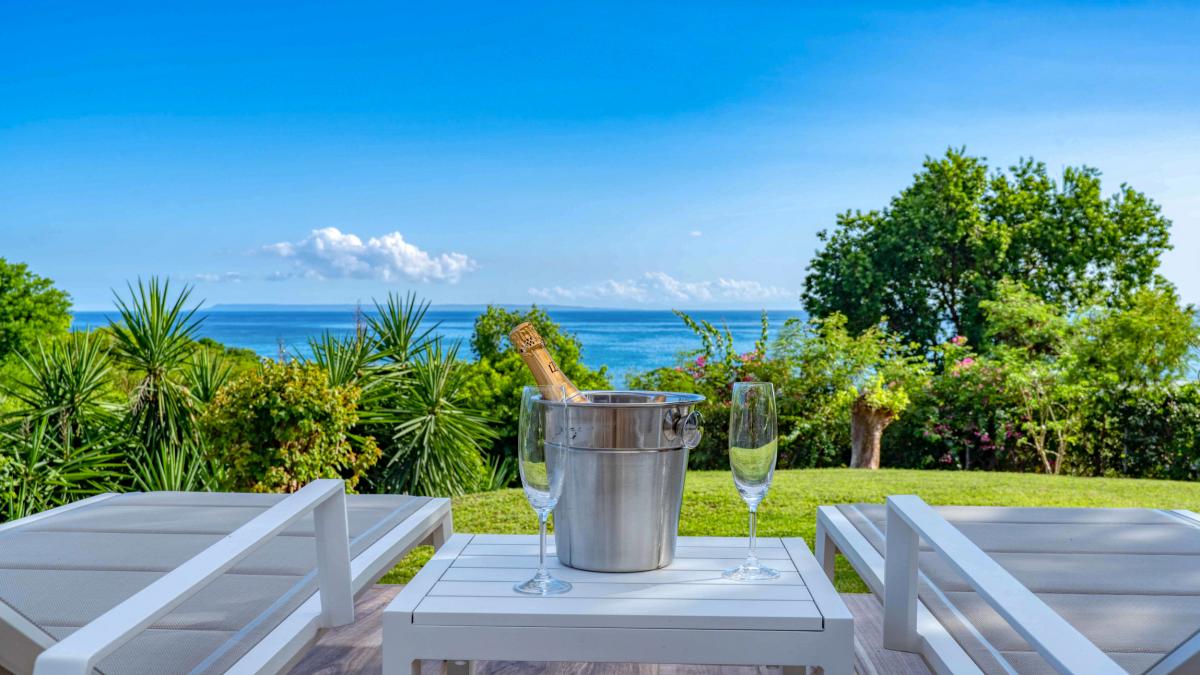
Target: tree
x,y
945,242
30,308
870,375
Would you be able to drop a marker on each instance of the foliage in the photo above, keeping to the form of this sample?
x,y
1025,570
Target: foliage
x,y
494,380
944,244
155,340
31,309
819,369
66,382
284,425
38,472
1152,432
1057,392
711,371
438,438
1152,339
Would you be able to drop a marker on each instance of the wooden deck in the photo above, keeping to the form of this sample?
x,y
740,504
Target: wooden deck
x,y
357,649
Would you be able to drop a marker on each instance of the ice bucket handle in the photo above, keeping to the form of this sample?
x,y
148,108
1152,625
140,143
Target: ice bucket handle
x,y
688,429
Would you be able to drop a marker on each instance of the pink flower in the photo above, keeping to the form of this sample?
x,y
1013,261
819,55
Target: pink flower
x,y
966,363
958,340
946,459
701,361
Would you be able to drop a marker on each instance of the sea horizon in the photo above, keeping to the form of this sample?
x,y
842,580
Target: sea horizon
x,y
626,341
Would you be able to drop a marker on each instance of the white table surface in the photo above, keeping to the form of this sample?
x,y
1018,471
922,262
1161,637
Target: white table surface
x,y
465,591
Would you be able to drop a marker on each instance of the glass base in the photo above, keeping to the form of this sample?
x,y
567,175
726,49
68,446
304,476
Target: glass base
x,y
751,570
542,584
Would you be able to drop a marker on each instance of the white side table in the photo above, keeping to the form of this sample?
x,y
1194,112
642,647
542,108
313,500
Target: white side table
x,y
461,607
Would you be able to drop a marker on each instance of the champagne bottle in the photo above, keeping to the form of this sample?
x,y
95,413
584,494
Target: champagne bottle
x,y
545,371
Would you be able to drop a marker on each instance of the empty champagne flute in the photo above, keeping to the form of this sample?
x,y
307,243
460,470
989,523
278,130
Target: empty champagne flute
x,y
541,456
753,448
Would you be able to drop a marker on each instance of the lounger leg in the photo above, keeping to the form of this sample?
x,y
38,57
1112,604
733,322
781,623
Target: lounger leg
x,y
442,532
826,551
900,584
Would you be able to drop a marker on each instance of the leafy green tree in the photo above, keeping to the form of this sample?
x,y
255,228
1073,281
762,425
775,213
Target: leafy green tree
x,y
284,425
945,242
493,382
869,377
31,308
1151,340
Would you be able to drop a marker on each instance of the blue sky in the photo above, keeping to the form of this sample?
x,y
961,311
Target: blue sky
x,y
632,155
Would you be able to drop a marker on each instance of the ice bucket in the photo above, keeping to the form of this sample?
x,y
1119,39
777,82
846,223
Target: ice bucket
x,y
627,456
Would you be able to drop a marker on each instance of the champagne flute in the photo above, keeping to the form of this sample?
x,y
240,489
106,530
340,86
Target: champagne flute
x,y
753,448
541,456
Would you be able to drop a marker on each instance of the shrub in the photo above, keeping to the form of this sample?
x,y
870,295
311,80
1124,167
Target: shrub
x,y
494,380
283,425
1148,432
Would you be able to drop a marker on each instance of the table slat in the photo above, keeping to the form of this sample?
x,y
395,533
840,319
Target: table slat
x,y
739,542
663,576
530,561
681,552
503,589
569,611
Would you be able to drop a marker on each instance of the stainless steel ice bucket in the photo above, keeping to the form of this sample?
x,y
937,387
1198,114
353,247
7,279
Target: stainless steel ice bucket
x,y
626,459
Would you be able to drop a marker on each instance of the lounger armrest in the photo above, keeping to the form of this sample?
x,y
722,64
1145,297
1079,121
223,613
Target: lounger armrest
x,y
908,520
78,653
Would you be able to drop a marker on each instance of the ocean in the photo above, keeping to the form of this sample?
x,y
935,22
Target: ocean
x,y
626,341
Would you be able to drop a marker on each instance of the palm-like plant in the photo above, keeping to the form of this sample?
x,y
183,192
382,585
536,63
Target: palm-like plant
x,y
65,383
206,373
397,327
439,441
38,473
155,340
181,468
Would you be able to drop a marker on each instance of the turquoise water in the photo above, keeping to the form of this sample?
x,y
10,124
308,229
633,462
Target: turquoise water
x,y
624,340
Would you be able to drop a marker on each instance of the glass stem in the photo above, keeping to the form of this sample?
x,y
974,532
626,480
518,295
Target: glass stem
x,y
753,534
542,544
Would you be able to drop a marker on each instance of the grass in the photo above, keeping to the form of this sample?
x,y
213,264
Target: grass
x,y
712,507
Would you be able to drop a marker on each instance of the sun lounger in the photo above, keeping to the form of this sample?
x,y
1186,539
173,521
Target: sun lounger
x,y
1027,590
167,582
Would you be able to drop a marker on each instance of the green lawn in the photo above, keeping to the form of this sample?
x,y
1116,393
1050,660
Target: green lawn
x,y
712,507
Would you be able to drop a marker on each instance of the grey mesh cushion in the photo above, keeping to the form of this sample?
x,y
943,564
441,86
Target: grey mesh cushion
x,y
61,572
1127,579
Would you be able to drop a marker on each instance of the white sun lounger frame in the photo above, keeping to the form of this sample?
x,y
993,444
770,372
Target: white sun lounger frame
x,y
338,579
908,623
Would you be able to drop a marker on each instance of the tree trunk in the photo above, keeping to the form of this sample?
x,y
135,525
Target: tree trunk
x,y
866,430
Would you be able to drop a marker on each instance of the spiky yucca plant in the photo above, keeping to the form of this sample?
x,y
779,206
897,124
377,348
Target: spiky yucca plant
x,y
154,339
37,472
438,440
66,383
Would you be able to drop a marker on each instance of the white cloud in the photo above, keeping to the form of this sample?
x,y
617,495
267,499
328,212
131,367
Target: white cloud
x,y
660,287
695,233
212,278
329,253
